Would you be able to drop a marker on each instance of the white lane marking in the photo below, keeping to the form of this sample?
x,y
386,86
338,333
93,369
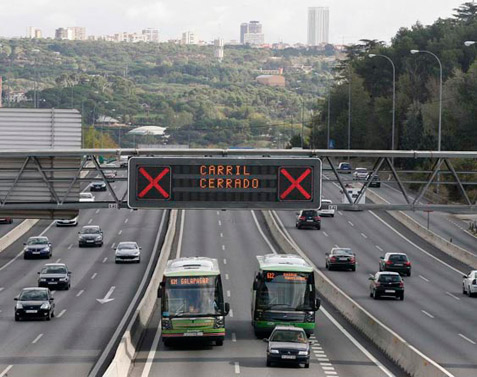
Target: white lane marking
x,y
90,221
423,278
231,313
336,245
341,213
326,364
469,340
94,275
2,288
225,261
112,246
37,339
416,246
327,368
119,233
330,372
221,235
5,371
450,294
228,293
61,313
218,213
325,234
97,211
131,210
47,228
226,276
237,367
181,235
350,223
364,235
263,234
428,314
53,292
379,248
234,337
220,223
105,259
58,260
69,247
223,247
126,221
80,293
322,359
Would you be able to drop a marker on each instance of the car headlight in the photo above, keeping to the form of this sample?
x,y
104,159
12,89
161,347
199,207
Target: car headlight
x,y
310,317
274,351
45,306
302,353
166,324
42,279
99,237
19,305
137,253
64,279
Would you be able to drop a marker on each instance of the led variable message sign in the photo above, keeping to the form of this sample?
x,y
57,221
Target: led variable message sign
x,y
224,182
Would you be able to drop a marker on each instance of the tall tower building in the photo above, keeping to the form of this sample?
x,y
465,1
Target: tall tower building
x,y
318,25
219,49
251,33
33,32
243,31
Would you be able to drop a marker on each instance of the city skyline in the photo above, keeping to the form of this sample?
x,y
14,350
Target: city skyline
x,y
350,20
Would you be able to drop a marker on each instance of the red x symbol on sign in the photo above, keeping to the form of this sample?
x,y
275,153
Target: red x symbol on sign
x,y
295,183
153,182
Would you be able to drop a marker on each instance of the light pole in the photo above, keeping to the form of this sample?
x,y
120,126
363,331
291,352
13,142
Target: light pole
x,y
349,107
394,94
328,123
440,93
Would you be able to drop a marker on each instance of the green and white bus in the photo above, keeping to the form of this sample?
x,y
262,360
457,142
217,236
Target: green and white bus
x,y
192,301
283,294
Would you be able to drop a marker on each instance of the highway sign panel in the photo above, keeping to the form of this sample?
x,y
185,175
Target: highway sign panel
x,y
224,182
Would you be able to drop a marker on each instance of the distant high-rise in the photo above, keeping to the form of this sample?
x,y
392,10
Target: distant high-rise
x,y
219,49
74,33
318,25
251,33
33,32
189,38
152,35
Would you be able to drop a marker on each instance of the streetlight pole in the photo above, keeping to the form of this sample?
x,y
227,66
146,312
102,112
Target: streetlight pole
x,y
440,93
349,107
394,94
329,116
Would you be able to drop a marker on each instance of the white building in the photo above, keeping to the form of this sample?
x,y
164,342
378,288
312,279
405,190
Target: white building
x,y
74,33
189,38
219,49
151,35
33,32
254,39
251,33
318,25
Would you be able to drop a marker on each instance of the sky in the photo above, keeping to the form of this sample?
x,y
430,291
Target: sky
x,y
282,20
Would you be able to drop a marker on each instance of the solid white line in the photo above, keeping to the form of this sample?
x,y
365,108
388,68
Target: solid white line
x,y
226,276
119,233
126,221
97,211
181,235
5,371
423,278
234,337
416,246
364,235
220,223
350,223
228,293
94,275
428,314
58,260
379,248
69,247
152,353
105,259
450,294
325,234
61,313
90,221
231,313
80,293
37,338
263,234
469,340
237,367
225,261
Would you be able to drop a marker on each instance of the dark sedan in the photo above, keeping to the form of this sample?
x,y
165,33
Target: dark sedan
x,y
97,186
342,258
34,303
55,276
386,284
37,247
397,262
288,344
90,235
308,219
375,182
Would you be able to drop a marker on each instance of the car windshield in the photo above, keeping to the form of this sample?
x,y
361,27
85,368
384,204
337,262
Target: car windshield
x,y
389,278
37,241
342,252
309,213
127,246
288,336
90,230
361,170
85,195
398,258
54,270
98,183
345,165
34,295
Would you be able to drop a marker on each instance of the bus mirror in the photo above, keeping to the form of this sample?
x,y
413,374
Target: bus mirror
x,y
255,285
159,290
226,308
317,304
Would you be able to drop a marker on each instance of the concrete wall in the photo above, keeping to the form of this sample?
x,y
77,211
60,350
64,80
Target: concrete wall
x,y
17,232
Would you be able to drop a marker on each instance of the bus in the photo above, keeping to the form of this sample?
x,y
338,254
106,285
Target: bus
x,y
283,294
192,301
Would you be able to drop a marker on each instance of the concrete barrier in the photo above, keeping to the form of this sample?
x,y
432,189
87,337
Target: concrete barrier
x,y
398,349
126,350
12,236
455,251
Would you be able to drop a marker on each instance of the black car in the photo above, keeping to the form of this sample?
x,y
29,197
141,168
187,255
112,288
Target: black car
x,y
55,276
342,258
37,247
90,235
308,218
288,344
34,303
97,186
397,262
375,181
386,284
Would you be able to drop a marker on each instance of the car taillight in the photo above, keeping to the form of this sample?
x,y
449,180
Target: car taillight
x,y
378,284
401,284
407,263
352,260
317,218
389,262
333,259
302,217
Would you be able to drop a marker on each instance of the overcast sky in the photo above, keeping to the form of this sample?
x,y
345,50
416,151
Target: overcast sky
x,y
283,20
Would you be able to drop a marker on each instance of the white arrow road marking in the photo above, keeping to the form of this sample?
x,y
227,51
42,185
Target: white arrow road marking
x,y
107,297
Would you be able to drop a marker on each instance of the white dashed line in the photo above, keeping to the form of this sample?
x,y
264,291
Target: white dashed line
x,y
61,313
237,368
37,339
327,368
350,223
228,293
112,246
69,247
105,259
226,276
221,235
322,359
326,364
220,223
325,234
119,233
336,245
5,371
428,314
1,289
234,337
58,260
97,211
423,278
90,221
218,213
450,294
231,313
223,247
131,210
225,261
379,248
341,213
469,340
80,293
364,235
126,221
94,275
53,292
330,372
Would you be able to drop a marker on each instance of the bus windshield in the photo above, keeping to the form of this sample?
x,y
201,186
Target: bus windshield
x,y
192,296
287,291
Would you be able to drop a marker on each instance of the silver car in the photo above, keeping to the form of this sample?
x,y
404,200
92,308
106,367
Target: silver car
x,y
128,252
469,284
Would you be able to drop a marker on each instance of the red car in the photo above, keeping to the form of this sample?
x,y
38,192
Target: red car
x,y
6,220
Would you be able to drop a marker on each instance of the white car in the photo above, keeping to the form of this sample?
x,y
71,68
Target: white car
x,y
469,285
325,209
67,222
360,173
128,252
86,197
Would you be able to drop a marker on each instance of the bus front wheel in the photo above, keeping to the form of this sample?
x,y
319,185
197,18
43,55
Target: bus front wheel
x,y
219,342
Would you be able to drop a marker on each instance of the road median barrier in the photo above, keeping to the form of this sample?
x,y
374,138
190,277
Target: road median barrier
x,y
455,251
410,359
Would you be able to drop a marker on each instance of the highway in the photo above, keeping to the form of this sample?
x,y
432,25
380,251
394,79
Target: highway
x,y
75,339
5,228
234,239
435,316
